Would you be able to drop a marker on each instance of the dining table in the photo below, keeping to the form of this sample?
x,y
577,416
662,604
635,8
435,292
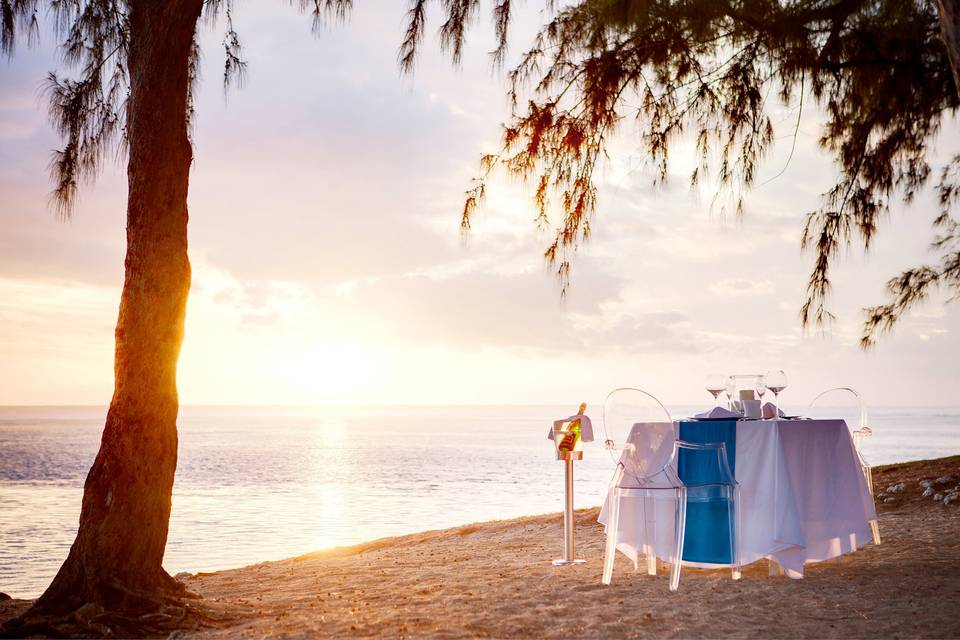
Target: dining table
x,y
803,497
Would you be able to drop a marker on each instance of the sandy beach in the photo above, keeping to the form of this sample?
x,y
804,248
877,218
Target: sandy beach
x,y
495,580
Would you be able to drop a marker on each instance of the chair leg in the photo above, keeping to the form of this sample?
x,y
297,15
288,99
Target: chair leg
x,y
680,523
874,526
733,517
649,535
613,524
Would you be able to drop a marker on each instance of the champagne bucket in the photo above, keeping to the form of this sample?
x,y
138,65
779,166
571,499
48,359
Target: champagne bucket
x,y
568,447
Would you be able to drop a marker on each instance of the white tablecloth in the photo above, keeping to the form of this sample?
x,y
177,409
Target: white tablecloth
x,y
803,497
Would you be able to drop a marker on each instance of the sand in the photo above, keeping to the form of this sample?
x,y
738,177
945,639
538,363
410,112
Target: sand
x,y
495,580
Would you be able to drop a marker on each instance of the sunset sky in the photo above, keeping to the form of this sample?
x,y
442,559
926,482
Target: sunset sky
x,y
329,268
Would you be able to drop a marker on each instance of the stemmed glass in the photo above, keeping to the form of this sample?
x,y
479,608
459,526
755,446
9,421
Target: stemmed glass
x,y
761,389
715,384
776,382
730,387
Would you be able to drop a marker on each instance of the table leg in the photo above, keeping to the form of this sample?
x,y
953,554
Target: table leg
x,y
775,569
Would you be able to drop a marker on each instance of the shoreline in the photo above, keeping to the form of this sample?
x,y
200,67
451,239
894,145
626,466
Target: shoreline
x,y
495,579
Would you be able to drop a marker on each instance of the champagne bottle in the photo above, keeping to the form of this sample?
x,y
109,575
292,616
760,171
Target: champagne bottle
x,y
572,436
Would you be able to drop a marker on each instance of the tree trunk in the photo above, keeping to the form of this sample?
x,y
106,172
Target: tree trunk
x,y
115,561
949,11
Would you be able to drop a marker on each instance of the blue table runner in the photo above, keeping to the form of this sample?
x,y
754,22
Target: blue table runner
x,y
707,534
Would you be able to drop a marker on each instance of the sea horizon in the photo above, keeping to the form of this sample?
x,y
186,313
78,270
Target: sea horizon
x,y
687,403
257,483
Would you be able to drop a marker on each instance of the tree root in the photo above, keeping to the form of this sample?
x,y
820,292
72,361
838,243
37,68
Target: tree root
x,y
153,616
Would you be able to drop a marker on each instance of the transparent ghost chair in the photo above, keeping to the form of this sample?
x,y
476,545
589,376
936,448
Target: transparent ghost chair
x,y
641,438
846,403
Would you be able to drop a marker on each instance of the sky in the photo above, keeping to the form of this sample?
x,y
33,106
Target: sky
x,y
328,267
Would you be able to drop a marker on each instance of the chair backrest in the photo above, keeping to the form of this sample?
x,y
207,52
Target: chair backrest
x,y
704,463
846,403
649,454
639,429
842,402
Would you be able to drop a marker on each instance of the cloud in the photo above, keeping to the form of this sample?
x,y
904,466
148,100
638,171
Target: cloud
x,y
657,332
325,200
741,287
475,310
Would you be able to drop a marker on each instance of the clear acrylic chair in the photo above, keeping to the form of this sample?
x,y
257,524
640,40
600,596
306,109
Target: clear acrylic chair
x,y
837,402
647,459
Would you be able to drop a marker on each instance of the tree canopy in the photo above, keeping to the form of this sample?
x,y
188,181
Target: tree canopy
x,y
663,69
88,110
878,69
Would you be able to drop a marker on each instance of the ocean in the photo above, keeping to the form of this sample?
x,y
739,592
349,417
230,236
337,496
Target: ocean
x,y
264,483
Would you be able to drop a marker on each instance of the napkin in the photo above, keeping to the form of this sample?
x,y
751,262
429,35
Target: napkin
x,y
768,411
717,413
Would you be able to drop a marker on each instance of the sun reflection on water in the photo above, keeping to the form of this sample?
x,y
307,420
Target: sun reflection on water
x,y
257,484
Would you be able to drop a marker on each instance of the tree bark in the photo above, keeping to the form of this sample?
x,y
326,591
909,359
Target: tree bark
x,y
949,11
115,561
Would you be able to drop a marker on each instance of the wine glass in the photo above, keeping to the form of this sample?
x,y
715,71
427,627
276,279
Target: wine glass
x,y
730,387
715,384
776,381
761,389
